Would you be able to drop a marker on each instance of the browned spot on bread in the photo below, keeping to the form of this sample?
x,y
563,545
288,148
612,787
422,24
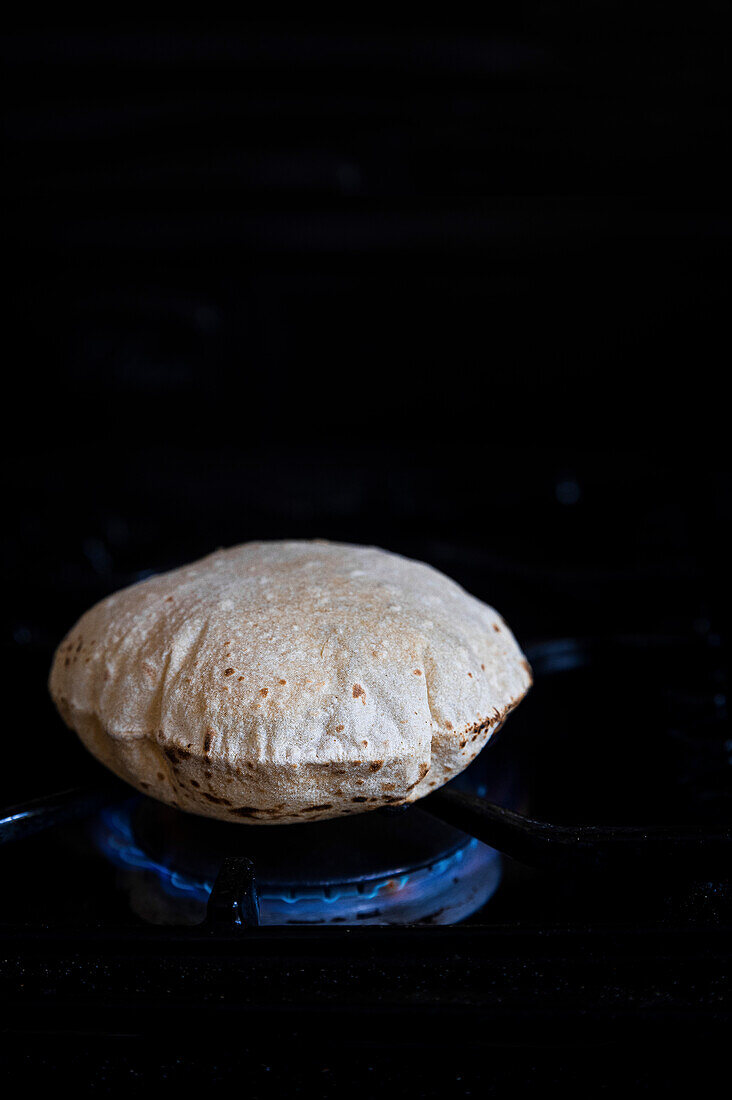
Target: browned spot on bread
x,y
195,783
145,786
339,729
216,799
470,675
483,667
283,681
359,798
376,765
423,769
497,628
359,693
239,679
161,777
264,692
388,786
229,671
496,721
169,599
244,811
322,806
364,743
208,741
418,672
448,725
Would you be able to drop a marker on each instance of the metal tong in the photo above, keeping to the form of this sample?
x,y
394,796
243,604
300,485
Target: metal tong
x,y
697,851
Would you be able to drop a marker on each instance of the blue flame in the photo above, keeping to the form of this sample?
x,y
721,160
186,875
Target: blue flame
x,y
452,887
114,836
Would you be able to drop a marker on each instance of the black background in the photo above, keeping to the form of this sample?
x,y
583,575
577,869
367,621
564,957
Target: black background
x,y
460,291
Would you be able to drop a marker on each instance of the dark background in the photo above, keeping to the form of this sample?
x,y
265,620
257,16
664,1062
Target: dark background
x,y
459,291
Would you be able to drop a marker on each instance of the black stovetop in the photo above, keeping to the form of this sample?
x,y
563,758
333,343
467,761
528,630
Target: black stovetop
x,y
554,965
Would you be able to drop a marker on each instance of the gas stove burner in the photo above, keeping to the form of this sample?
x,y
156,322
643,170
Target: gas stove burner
x,y
399,868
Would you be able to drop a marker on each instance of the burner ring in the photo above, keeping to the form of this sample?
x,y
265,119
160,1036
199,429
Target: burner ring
x,y
441,877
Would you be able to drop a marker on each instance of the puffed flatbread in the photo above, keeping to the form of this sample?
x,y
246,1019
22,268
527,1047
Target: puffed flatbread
x,y
289,681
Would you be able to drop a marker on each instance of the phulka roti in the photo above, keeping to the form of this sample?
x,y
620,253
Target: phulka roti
x,y
289,681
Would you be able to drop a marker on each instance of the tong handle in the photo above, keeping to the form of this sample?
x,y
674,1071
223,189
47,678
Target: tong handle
x,y
696,852
28,818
